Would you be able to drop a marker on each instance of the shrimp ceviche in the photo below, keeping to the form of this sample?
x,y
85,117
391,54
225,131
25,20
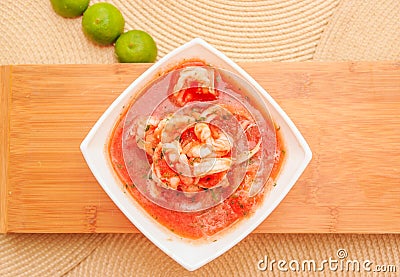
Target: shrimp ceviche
x,y
197,150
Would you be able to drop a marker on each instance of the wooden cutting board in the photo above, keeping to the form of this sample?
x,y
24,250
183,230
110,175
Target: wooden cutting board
x,y
349,113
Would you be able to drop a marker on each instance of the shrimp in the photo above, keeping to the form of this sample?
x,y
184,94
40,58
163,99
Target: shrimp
x,y
211,166
168,177
220,142
198,159
145,134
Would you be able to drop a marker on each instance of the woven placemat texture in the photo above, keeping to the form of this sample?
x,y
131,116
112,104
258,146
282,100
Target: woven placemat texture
x,y
131,255
31,33
245,31
45,254
362,30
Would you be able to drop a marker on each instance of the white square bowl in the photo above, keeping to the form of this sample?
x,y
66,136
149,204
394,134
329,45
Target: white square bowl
x,y
192,254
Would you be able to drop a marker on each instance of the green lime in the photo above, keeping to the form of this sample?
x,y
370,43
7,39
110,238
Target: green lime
x,y
136,46
103,23
69,8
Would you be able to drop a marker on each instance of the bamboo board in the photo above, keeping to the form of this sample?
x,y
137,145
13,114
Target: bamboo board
x,y
347,112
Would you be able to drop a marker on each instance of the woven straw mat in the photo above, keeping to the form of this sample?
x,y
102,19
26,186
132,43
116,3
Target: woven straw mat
x,y
246,31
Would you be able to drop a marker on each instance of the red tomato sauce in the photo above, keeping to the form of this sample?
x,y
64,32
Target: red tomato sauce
x,y
203,223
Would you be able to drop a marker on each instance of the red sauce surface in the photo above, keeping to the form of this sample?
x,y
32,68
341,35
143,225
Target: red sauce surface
x,y
204,223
